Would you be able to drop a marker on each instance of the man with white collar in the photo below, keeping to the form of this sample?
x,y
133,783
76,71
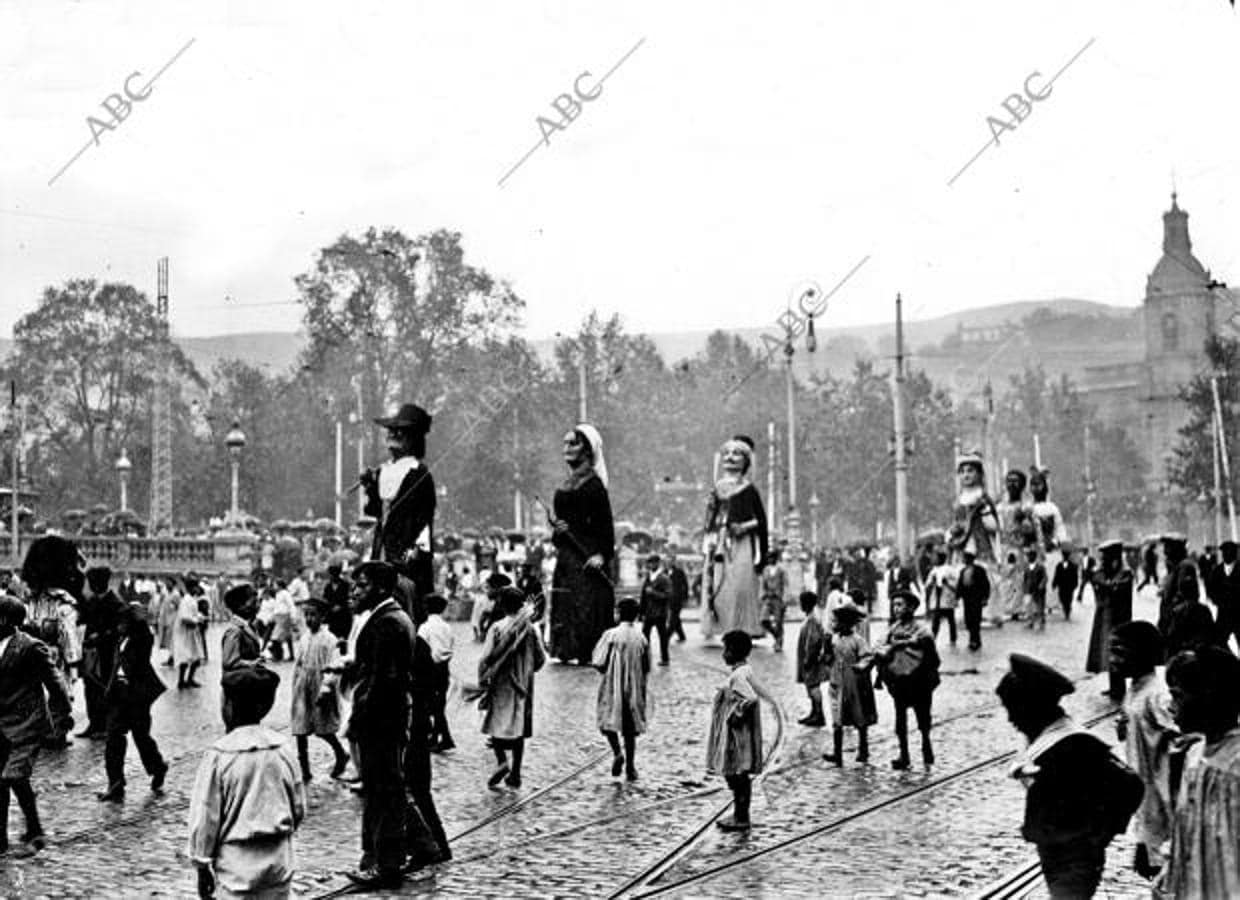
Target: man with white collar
x,y
1079,796
382,677
400,494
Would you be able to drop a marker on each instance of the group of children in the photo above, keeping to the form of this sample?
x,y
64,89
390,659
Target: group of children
x,y
907,664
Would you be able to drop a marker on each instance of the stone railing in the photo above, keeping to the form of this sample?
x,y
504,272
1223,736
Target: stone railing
x,y
223,555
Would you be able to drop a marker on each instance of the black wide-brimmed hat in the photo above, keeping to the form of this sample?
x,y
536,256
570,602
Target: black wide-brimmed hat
x,y
410,416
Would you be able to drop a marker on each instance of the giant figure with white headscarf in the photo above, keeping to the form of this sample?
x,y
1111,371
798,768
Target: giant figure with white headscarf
x,y
736,546
582,598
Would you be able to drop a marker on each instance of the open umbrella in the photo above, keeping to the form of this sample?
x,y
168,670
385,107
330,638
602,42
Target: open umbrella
x,y
303,526
325,524
73,514
99,509
281,525
366,521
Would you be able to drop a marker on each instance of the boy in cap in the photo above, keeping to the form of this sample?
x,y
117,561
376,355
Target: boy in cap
x,y
30,689
1205,838
909,664
129,690
1148,730
247,800
241,645
1078,795
437,634
813,660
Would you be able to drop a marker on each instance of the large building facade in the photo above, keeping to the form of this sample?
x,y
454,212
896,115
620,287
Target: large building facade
x,y
1180,312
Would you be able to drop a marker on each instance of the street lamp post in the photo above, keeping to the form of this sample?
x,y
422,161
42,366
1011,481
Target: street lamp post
x,y
814,503
792,521
235,440
123,467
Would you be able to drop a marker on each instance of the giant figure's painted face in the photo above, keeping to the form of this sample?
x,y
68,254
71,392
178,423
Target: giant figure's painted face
x,y
970,475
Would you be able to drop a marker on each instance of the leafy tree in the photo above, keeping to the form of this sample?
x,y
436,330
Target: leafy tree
x,y
85,359
1192,462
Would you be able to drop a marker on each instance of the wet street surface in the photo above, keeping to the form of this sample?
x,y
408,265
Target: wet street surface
x,y
951,830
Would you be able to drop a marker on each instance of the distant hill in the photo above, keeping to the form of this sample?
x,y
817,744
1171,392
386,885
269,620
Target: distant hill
x,y
1114,339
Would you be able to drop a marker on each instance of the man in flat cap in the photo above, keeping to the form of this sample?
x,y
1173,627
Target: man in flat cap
x,y
382,675
1112,608
1223,589
400,494
1079,796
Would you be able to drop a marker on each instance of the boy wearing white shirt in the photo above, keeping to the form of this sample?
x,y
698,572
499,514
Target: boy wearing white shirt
x,y
438,635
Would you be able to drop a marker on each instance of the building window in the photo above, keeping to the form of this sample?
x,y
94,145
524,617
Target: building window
x,y
1170,332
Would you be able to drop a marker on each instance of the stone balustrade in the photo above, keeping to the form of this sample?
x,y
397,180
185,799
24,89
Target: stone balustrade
x,y
221,555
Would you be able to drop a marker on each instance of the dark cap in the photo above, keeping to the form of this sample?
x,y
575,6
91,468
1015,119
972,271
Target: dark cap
x,y
252,684
383,574
498,580
1111,545
238,594
410,416
847,614
1228,543
1034,680
12,610
1142,637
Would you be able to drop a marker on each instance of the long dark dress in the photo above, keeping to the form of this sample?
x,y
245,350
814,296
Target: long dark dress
x,y
582,603
1112,608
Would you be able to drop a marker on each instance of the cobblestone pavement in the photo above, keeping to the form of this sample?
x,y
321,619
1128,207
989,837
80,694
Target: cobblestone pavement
x,y
574,831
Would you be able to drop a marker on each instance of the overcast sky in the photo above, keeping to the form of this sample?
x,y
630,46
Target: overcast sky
x,y
741,149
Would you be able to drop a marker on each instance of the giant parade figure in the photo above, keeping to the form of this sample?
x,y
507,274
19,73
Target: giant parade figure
x,y
1016,532
400,494
975,521
736,546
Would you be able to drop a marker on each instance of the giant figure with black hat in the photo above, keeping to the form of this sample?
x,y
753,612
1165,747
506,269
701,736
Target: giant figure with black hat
x,y
1078,796
400,494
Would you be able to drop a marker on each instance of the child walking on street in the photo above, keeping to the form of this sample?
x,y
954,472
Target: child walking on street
x,y
909,666
734,747
813,660
623,656
511,655
316,705
852,695
438,636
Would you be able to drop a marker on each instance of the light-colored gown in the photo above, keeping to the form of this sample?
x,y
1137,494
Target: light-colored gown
x,y
734,603
187,643
1151,730
313,711
509,710
623,656
1204,861
735,748
247,802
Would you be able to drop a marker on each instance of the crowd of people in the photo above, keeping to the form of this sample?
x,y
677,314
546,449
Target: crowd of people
x,y
370,647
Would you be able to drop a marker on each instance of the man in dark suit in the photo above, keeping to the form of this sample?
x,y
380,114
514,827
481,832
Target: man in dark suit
x,y
131,689
400,494
656,602
382,675
99,612
680,596
425,838
1064,580
973,589
1223,589
34,703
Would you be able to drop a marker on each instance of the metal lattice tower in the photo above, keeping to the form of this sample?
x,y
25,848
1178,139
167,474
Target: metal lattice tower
x,y
161,415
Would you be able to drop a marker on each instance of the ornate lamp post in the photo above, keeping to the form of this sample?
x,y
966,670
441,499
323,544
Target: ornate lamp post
x,y
235,441
123,467
792,521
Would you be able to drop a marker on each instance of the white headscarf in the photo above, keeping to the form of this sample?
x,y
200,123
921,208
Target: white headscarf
x,y
595,440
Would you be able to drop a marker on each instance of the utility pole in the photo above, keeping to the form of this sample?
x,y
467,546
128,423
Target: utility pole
x,y
770,474
1222,448
339,472
1037,451
14,498
901,465
161,413
581,389
1089,494
1218,482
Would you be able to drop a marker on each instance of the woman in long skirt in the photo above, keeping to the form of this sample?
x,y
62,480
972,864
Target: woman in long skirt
x,y
736,538
582,598
188,647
